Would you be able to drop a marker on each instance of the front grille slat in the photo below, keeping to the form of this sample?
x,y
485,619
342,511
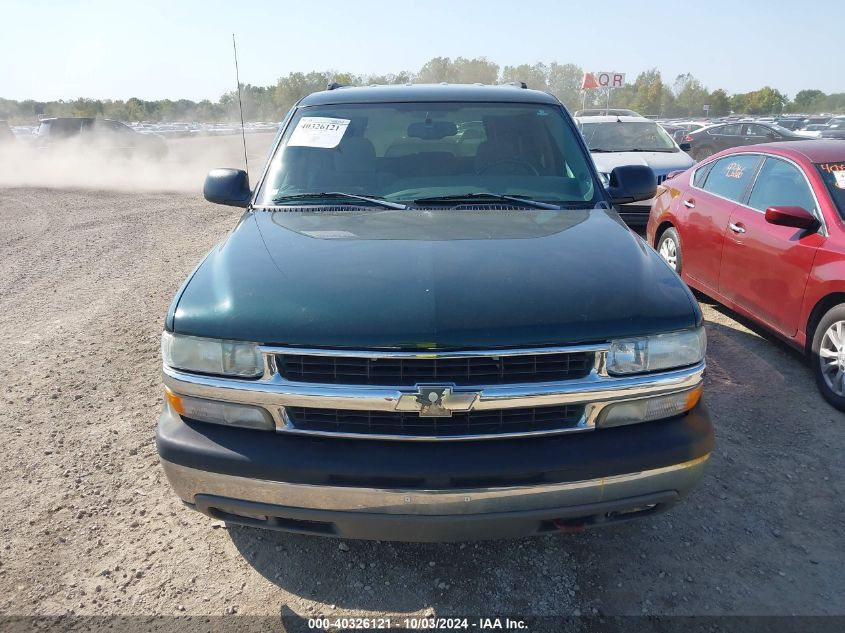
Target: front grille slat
x,y
464,371
407,424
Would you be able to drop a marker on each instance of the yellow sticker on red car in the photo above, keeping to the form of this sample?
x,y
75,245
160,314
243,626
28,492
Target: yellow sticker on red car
x,y
734,170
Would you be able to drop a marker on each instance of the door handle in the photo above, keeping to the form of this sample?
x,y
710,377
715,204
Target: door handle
x,y
689,204
736,228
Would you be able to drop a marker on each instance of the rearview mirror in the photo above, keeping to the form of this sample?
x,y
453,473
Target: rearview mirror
x,y
227,186
631,183
796,217
432,130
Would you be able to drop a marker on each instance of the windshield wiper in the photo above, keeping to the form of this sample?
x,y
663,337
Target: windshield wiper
x,y
662,149
387,204
489,196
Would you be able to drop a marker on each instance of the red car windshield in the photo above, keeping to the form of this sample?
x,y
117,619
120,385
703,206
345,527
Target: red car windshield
x,y
833,175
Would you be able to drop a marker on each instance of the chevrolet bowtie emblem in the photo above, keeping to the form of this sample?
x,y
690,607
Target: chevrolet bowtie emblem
x,y
436,401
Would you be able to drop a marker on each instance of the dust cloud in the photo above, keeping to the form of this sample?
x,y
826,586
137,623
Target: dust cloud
x,y
72,165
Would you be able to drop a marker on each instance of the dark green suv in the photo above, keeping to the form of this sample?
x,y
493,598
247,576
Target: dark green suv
x,y
429,324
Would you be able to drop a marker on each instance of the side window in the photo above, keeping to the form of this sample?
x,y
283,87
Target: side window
x,y
734,129
700,175
781,184
755,130
729,177
117,127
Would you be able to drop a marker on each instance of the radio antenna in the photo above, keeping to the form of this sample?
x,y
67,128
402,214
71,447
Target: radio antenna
x,y
240,104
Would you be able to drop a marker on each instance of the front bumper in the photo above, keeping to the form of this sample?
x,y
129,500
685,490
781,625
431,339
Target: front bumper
x,y
433,491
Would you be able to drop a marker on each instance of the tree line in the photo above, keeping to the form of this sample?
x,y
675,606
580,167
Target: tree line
x,y
648,94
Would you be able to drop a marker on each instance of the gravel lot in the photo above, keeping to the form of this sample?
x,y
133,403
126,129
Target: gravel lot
x,y
92,527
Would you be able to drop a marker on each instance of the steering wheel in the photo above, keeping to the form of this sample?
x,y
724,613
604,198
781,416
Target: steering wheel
x,y
518,162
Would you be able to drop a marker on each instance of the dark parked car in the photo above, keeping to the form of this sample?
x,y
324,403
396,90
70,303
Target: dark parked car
x,y
791,124
816,120
401,341
101,135
709,140
834,130
677,132
762,230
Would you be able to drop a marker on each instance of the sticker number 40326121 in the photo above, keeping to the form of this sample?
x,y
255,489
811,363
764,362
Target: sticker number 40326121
x,y
314,131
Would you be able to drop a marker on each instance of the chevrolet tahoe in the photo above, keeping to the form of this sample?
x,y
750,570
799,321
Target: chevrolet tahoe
x,y
418,334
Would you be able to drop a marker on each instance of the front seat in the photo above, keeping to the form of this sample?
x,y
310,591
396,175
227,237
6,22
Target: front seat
x,y
782,191
354,162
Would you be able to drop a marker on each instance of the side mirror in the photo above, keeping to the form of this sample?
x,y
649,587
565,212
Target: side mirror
x,y
796,217
772,136
227,186
685,147
631,183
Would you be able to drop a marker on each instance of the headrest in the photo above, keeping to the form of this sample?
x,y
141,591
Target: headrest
x,y
355,154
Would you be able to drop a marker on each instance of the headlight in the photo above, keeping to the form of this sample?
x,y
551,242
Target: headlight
x,y
211,356
226,413
653,353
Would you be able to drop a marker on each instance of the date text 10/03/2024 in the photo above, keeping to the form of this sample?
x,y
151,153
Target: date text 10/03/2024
x,y
481,624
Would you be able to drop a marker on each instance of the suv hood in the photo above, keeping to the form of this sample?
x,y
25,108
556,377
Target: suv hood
x,y
660,162
445,279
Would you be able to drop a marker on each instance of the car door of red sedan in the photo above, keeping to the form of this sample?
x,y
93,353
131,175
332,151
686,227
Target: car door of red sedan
x,y
765,267
708,206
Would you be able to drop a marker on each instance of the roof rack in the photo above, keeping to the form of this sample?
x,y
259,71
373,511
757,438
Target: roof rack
x,y
516,84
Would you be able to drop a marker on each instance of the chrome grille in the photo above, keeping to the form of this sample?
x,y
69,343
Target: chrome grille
x,y
400,424
461,371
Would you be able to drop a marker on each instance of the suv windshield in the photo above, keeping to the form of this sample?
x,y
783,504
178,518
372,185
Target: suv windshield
x,y
627,136
407,151
833,175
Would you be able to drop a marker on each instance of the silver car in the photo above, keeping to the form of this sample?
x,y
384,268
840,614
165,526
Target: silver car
x,y
630,140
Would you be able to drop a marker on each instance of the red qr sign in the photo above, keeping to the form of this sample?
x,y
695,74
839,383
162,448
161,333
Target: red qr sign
x,y
610,80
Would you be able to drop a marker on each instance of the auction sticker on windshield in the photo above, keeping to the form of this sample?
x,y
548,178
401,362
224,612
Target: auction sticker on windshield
x,y
315,131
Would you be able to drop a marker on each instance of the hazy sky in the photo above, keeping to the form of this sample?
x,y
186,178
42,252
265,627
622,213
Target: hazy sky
x,y
183,49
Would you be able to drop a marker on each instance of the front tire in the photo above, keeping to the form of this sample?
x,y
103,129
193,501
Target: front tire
x,y
828,356
669,247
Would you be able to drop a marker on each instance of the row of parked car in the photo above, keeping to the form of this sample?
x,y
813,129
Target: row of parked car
x,y
713,138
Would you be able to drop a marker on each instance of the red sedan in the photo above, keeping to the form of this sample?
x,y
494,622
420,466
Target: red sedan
x,y
761,229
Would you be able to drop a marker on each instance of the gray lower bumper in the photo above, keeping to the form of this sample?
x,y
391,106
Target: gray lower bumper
x,y
432,515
